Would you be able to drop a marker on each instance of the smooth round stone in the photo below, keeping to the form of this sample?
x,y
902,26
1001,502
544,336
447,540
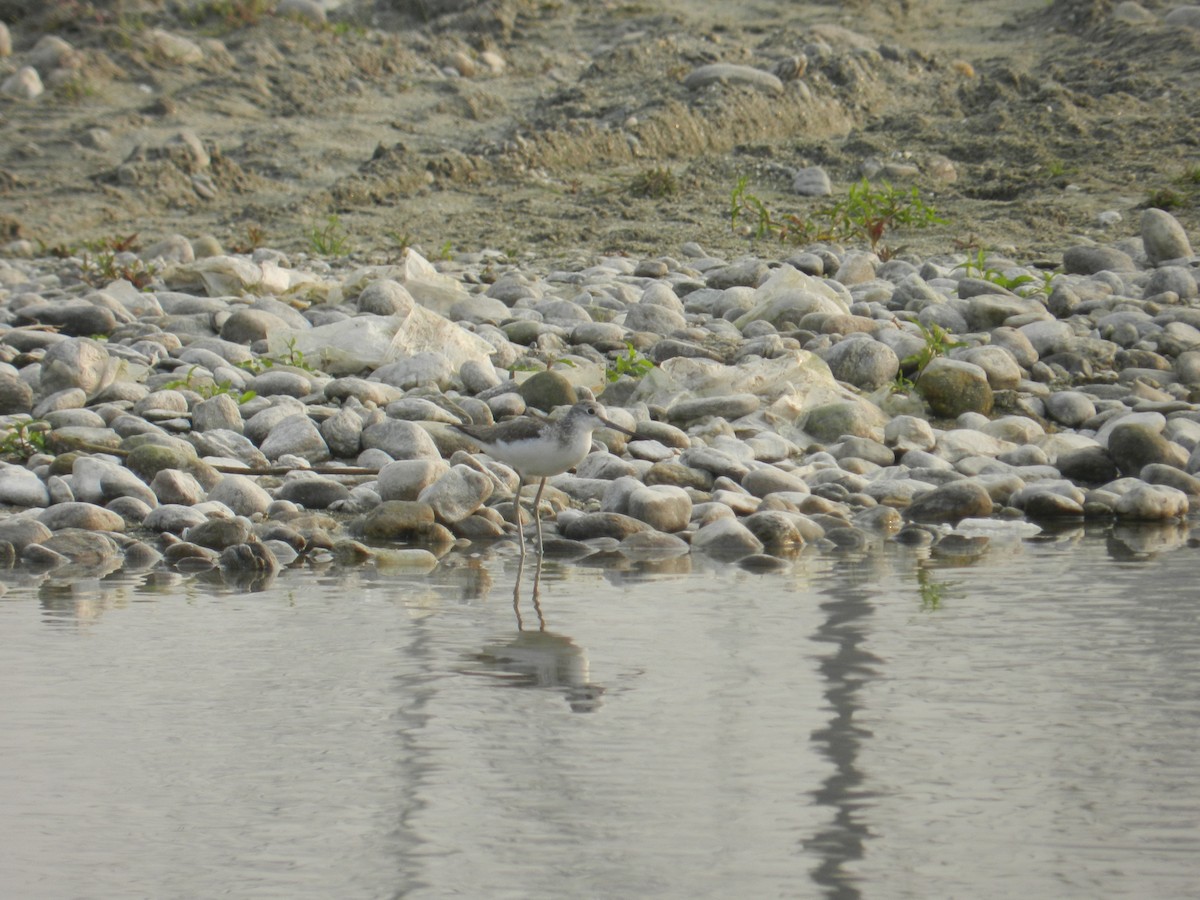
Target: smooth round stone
x,y
673,472
77,318
16,396
362,390
1090,260
864,449
342,433
1178,280
776,529
173,519
832,421
952,502
654,319
1163,238
1049,501
812,181
275,382
1003,371
1070,408
400,440
250,556
76,514
767,479
866,364
726,538
905,433
242,494
1087,465
21,487
174,486
426,369
1135,444
296,436
219,533
457,493
405,479
84,548
1152,502
42,558
312,491
952,387
59,401
602,525
263,421
400,520
21,531
1156,473
663,507
715,461
547,390
229,445
218,412
245,326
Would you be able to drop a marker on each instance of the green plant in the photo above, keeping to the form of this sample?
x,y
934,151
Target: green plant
x,y
330,239
293,357
932,592
207,388
628,363
865,213
979,268
654,184
230,14
1183,192
937,343
23,438
446,251
103,261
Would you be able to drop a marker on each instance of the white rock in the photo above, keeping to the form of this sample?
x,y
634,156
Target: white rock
x,y
23,84
457,494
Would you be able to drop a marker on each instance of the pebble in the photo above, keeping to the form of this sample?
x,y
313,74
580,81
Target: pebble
x,y
771,420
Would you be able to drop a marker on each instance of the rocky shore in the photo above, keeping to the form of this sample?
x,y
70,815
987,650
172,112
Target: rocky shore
x,y
239,413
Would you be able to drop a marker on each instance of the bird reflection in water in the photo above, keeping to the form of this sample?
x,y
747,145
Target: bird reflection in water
x,y
542,659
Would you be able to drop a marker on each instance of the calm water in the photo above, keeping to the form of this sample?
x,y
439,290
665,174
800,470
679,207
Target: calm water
x,y
884,724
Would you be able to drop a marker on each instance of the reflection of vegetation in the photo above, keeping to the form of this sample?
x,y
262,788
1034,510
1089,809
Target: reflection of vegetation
x,y
931,591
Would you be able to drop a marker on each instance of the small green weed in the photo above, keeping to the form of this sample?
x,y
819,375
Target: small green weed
x,y
1183,192
330,239
293,357
24,438
865,213
654,184
629,363
1025,285
102,261
932,592
229,15
937,343
207,388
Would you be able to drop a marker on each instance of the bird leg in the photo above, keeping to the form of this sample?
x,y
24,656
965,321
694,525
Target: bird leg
x,y
517,516
537,518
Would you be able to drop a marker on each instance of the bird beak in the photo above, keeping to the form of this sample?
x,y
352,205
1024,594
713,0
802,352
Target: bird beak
x,y
615,427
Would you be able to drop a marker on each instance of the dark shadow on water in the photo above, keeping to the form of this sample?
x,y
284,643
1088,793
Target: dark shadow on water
x,y
848,607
